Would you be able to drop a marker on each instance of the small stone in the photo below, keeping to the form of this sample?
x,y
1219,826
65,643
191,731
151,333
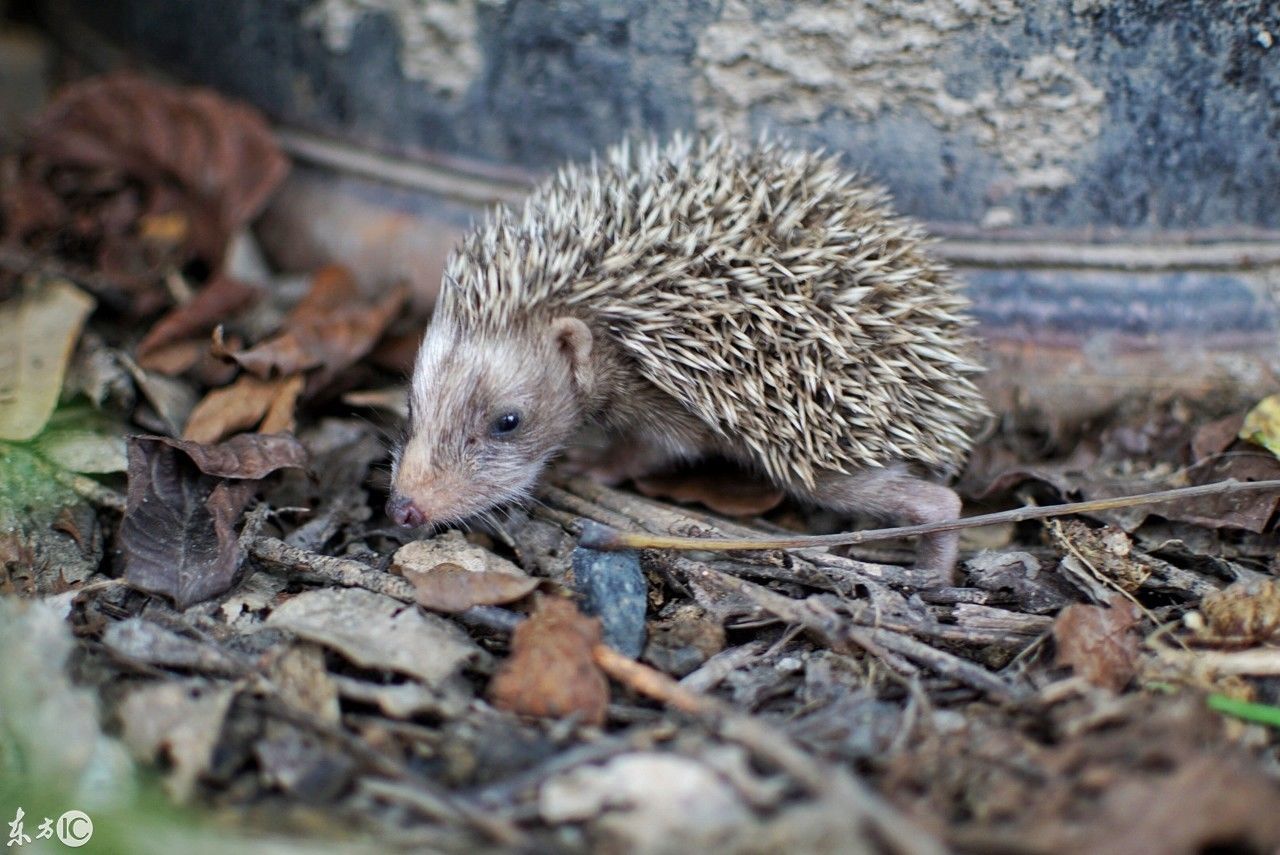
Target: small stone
x,y
789,665
613,589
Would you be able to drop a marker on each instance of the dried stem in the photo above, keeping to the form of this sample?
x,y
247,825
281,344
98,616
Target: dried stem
x,y
598,536
822,780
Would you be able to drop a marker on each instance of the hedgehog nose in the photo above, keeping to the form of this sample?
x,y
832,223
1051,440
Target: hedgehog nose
x,y
403,511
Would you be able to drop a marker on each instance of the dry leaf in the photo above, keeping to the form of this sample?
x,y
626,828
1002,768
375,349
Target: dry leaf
x,y
1242,613
649,803
375,631
178,532
212,304
242,406
451,547
450,588
1215,437
247,455
452,575
551,671
180,722
1106,551
176,357
38,332
1099,643
328,331
218,157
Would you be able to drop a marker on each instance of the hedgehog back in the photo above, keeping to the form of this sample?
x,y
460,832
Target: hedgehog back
x,y
767,290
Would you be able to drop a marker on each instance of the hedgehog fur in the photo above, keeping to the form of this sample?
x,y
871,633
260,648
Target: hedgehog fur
x,y
768,290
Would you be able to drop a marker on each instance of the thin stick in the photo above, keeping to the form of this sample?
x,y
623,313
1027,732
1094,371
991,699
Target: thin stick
x,y
823,781
598,536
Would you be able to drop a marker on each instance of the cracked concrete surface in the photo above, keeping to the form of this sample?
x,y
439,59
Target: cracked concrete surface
x,y
801,60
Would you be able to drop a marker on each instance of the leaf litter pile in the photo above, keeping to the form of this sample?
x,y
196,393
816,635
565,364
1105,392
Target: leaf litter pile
x,y
199,580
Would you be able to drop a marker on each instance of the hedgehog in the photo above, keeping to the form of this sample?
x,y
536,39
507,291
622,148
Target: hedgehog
x,y
702,297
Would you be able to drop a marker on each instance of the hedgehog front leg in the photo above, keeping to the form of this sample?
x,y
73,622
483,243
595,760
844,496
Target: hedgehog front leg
x,y
903,499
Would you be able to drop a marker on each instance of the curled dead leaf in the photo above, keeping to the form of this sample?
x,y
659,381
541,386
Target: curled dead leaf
x,y
329,330
551,671
1242,613
220,155
247,455
1099,643
451,574
1106,553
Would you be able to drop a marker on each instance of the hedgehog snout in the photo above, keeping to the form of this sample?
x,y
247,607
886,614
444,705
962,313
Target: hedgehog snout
x,y
403,511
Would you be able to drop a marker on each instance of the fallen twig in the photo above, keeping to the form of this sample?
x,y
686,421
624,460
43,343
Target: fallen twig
x,y
342,571
822,780
838,632
598,536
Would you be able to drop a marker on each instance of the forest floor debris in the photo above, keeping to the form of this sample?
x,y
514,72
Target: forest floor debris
x,y
198,579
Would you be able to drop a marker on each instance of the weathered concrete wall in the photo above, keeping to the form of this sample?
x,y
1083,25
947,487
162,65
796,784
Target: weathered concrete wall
x,y
1028,132
1084,116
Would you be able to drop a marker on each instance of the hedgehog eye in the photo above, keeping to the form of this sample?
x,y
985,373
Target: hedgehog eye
x,y
505,424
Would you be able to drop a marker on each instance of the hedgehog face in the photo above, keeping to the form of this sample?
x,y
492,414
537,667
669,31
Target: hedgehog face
x,y
486,414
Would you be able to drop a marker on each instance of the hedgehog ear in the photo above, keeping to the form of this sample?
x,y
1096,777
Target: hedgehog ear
x,y
573,338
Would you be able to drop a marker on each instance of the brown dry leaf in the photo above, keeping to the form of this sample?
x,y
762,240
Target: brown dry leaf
x,y
551,671
452,574
1215,437
38,332
450,588
217,159
212,304
242,406
1108,551
176,357
1099,643
330,329
723,489
1242,613
178,532
1248,511
248,455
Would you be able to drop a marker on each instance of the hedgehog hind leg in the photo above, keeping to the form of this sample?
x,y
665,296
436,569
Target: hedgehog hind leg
x,y
893,494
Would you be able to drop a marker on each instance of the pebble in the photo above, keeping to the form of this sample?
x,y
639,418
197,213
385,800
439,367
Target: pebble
x,y
612,587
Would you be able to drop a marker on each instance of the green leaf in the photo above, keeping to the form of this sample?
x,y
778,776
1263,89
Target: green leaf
x,y
1262,424
1258,713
